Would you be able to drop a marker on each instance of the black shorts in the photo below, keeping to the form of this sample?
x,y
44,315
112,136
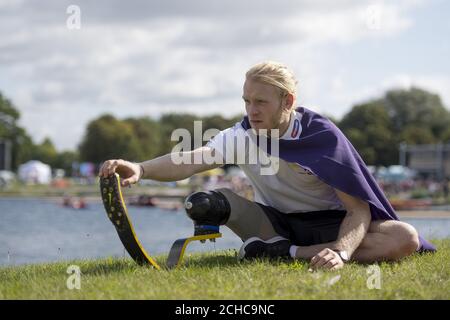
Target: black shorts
x,y
306,228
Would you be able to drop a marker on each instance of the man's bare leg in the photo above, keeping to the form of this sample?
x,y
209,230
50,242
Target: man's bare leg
x,y
247,219
386,240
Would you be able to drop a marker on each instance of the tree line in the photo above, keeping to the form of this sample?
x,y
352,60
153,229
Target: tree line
x,y
376,128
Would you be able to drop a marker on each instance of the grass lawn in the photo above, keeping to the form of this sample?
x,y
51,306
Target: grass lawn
x,y
218,275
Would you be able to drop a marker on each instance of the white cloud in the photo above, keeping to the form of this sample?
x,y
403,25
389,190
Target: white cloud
x,y
349,24
343,96
136,58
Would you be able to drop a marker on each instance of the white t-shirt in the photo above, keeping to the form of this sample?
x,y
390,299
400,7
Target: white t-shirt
x,y
291,188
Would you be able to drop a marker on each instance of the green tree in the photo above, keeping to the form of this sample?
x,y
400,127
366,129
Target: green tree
x,y
172,121
369,129
148,133
418,108
417,135
45,152
64,161
446,136
22,145
109,138
376,128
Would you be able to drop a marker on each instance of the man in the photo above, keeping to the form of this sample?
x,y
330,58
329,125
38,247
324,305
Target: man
x,y
320,203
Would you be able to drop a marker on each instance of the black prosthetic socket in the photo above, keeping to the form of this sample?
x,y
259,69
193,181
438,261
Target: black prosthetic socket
x,y
209,210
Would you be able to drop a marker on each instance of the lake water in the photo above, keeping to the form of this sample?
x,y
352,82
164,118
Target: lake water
x,y
39,230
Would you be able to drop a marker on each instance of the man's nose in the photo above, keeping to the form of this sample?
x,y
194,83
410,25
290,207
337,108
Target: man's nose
x,y
252,110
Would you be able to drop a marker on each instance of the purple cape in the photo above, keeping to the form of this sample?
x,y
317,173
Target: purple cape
x,y
323,149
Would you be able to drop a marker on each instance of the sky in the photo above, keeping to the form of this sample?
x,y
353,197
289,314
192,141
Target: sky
x,y
63,66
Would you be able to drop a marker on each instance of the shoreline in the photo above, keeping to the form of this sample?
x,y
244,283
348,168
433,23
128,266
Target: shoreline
x,y
423,214
419,214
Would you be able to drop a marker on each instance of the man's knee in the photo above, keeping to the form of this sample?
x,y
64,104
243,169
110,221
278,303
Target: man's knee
x,y
227,193
208,209
406,240
238,205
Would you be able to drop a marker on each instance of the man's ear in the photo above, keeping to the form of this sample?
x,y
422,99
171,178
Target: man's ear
x,y
288,101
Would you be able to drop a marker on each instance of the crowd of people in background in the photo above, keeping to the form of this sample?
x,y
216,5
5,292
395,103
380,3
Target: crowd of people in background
x,y
417,188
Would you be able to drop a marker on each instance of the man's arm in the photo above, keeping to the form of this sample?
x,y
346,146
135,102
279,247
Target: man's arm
x,y
162,168
355,225
351,232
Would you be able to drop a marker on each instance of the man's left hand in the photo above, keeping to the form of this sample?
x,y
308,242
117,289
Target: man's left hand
x,y
327,259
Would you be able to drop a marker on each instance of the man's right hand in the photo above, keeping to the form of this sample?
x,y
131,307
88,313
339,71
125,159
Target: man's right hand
x,y
129,172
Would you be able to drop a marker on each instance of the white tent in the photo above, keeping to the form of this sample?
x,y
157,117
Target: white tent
x,y
35,172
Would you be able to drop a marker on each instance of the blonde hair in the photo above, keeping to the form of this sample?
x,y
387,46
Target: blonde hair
x,y
276,74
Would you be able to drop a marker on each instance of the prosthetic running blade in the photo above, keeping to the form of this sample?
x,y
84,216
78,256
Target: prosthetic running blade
x,y
179,246
116,210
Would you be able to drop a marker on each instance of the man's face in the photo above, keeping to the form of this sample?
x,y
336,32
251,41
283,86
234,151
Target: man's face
x,y
264,105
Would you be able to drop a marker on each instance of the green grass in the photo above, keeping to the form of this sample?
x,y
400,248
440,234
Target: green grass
x,y
218,275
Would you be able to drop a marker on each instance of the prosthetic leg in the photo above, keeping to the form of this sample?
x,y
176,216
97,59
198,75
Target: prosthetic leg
x,y
208,210
117,212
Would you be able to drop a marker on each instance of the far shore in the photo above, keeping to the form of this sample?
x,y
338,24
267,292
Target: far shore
x,y
423,214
